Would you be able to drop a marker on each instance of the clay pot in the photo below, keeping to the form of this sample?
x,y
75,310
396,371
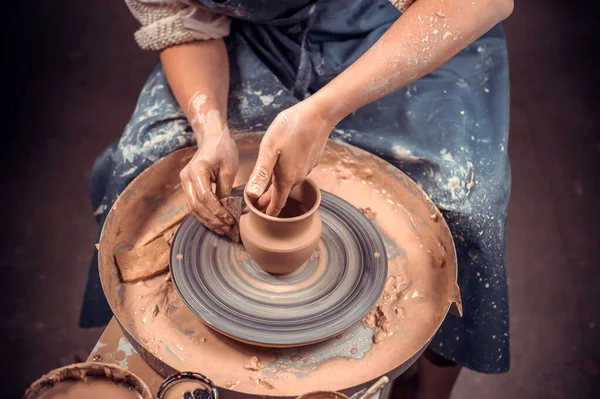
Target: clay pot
x,y
280,245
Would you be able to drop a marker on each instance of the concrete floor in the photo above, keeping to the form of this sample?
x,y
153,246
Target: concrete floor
x,y
73,84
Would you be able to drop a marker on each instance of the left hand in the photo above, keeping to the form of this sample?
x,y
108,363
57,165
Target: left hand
x,y
291,148
215,162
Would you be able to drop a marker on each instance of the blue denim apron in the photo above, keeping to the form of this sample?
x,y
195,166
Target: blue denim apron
x,y
448,131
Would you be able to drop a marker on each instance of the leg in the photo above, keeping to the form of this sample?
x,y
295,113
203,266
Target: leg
x,y
431,377
436,376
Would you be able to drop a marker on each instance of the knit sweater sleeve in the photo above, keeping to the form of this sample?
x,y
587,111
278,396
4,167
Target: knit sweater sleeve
x,y
402,5
167,23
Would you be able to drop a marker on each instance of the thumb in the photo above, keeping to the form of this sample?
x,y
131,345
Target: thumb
x,y
261,175
225,179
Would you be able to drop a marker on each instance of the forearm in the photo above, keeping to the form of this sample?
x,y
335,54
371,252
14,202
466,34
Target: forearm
x,y
428,34
198,73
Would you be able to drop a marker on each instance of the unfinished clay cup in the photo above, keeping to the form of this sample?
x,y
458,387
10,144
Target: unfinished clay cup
x,y
280,245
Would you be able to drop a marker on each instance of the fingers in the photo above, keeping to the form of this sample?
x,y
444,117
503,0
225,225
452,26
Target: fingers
x,y
279,197
199,208
202,202
265,199
198,211
225,180
260,177
202,184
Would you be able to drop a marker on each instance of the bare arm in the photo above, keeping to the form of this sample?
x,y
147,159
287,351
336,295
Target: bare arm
x,y
429,33
198,73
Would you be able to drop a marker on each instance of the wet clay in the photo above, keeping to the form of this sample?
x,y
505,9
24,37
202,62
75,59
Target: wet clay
x,y
92,388
257,375
417,297
387,316
280,245
145,262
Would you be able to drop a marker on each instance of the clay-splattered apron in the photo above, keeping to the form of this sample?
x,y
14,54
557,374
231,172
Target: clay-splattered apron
x,y
448,131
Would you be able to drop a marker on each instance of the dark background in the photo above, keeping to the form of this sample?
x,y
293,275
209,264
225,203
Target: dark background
x,y
73,76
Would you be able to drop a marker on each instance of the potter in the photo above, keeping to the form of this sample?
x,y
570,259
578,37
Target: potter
x,y
280,245
358,71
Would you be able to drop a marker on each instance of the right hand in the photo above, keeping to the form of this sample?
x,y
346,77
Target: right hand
x,y
216,162
289,150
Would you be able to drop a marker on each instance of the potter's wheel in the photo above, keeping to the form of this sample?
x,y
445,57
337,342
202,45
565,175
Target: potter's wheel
x,y
172,338
332,291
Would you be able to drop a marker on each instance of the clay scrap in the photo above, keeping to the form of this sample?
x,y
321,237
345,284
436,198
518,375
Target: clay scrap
x,y
369,214
170,234
144,262
257,377
159,229
150,255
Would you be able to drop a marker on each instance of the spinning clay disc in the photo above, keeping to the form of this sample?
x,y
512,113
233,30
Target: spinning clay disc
x,y
332,291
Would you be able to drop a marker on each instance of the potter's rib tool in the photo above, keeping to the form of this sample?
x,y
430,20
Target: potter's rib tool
x,y
234,205
332,291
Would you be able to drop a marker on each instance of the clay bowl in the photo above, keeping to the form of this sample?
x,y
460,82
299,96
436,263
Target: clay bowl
x,y
90,375
280,245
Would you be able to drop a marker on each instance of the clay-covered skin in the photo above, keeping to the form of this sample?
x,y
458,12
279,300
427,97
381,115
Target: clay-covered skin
x,y
426,35
198,75
280,245
93,388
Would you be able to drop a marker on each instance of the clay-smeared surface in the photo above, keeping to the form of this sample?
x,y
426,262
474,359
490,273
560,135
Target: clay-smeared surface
x,y
421,287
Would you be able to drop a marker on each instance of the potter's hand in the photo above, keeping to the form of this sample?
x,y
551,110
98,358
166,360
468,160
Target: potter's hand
x,y
216,161
291,148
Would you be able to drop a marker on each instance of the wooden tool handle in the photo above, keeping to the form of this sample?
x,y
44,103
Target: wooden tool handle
x,y
375,387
